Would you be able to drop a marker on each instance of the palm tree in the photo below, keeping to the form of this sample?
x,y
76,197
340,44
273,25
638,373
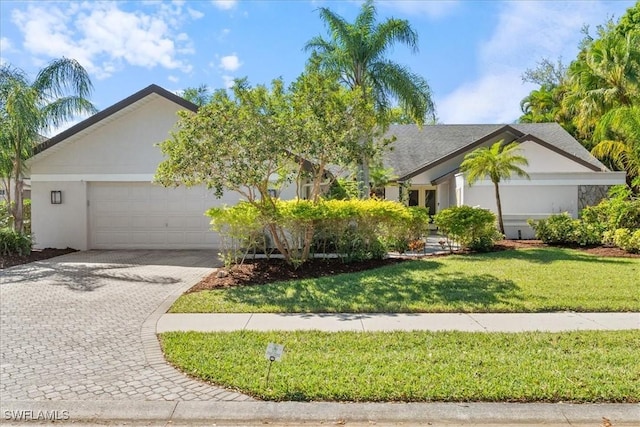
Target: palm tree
x,y
605,76
618,141
498,163
58,93
357,53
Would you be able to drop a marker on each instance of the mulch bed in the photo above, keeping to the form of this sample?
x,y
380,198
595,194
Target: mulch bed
x,y
262,271
7,261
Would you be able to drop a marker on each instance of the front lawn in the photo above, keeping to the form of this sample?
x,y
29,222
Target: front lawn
x,y
531,280
592,366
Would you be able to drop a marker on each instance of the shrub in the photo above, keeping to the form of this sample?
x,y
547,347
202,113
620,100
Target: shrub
x,y
563,229
472,228
12,242
240,229
556,229
6,219
354,229
627,239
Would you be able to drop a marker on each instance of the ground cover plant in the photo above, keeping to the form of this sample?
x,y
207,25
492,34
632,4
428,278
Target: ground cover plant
x,y
587,366
530,280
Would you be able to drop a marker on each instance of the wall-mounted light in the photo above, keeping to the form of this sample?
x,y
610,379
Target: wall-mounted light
x,y
56,197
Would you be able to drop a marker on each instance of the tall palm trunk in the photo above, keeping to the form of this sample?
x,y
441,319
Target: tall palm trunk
x,y
17,209
499,205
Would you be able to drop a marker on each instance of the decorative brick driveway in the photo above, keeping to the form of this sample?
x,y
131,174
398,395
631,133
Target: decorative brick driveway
x,y
82,327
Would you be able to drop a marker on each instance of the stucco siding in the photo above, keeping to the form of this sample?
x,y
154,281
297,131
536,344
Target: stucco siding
x,y
542,159
59,226
123,145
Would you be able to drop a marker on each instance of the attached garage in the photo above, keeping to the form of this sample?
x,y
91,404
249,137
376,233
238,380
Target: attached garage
x,y
103,170
140,215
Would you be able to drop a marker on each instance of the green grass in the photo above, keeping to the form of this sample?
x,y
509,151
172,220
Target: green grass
x,y
593,366
533,280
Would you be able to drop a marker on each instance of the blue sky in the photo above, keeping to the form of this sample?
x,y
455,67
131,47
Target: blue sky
x,y
473,53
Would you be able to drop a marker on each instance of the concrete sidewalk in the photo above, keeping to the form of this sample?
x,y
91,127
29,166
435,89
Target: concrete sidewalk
x,y
472,322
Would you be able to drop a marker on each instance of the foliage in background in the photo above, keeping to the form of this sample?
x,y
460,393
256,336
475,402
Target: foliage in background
x,y
472,228
58,93
596,98
498,163
352,229
617,139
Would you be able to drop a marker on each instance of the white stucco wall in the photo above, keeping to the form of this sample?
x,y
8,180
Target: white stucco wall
x,y
59,226
542,159
122,145
545,194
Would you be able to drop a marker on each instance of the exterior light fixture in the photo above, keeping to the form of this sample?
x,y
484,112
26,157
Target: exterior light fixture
x,y
56,197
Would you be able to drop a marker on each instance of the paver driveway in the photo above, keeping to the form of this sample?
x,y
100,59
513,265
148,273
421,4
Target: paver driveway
x,y
82,326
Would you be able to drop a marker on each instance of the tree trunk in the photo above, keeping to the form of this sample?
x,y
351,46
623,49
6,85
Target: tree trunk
x,y
364,178
17,209
500,223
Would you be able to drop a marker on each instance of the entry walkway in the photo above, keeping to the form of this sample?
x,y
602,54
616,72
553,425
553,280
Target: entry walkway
x,y
472,322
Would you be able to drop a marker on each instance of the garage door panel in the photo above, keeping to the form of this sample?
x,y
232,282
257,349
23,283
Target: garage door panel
x,y
147,216
147,222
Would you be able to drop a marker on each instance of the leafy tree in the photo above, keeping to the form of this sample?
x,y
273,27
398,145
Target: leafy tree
x,y
200,95
58,93
242,143
497,163
606,77
618,140
357,53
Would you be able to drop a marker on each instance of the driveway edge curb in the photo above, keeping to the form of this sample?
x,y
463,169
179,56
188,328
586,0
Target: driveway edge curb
x,y
291,412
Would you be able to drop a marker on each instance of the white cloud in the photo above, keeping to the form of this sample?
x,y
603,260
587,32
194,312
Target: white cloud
x,y
173,79
526,32
5,44
433,9
230,62
493,98
228,81
104,38
194,14
225,4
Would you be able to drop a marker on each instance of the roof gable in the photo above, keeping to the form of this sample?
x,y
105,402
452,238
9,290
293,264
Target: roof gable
x,y
112,110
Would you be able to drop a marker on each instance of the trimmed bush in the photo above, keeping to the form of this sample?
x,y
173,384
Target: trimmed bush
x,y
627,239
562,229
14,243
472,228
353,229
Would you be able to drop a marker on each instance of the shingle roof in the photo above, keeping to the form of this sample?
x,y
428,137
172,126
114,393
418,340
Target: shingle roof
x,y
416,150
151,89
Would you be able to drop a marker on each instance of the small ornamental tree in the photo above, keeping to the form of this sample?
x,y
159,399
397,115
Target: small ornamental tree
x,y
264,138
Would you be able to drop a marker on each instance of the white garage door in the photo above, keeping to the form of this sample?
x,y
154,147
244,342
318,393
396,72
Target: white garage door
x,y
137,215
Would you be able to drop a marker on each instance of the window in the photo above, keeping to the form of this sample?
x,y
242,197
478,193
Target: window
x,y
423,197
